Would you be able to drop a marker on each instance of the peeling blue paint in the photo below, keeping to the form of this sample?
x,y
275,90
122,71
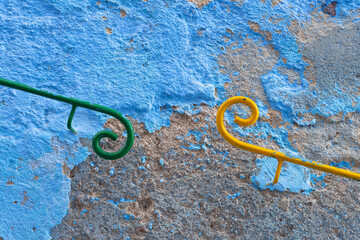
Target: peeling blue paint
x,y
83,212
128,216
122,200
280,91
155,54
293,177
235,195
341,164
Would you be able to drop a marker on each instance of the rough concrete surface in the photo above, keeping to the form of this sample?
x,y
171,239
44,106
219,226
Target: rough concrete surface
x,y
198,194
167,66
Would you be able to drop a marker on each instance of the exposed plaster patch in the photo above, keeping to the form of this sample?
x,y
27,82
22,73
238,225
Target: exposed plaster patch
x,y
330,140
188,194
108,30
309,73
293,75
284,204
256,28
334,59
319,26
66,170
275,2
25,199
245,65
122,13
331,8
9,183
200,3
275,20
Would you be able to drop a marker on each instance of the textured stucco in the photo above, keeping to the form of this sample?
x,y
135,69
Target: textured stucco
x,y
168,65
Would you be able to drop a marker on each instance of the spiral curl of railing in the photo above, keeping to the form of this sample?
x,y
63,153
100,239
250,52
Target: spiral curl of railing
x,y
281,157
95,107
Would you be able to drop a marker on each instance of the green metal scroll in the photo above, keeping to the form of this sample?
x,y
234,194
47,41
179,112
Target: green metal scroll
x,y
78,103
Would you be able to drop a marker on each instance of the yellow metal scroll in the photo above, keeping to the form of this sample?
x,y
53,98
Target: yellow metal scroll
x,y
281,157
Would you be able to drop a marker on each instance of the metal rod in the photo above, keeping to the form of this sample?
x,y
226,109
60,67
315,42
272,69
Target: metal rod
x,y
277,172
264,151
95,107
71,116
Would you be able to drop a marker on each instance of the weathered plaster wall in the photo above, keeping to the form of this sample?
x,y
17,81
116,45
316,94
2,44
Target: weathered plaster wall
x,y
168,65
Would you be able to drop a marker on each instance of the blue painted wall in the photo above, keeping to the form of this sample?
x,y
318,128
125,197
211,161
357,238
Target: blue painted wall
x,y
140,64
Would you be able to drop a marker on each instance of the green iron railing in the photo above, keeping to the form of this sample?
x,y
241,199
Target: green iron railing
x,y
78,103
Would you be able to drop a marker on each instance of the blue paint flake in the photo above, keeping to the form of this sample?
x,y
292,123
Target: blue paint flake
x,y
83,212
342,164
122,200
128,216
235,195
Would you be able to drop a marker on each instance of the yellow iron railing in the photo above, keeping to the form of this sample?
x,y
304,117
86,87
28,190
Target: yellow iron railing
x,y
281,157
